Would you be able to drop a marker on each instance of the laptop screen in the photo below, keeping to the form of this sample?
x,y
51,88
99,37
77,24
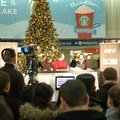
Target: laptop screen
x,y
59,80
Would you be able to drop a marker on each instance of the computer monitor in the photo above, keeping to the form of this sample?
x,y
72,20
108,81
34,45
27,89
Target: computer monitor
x,y
59,80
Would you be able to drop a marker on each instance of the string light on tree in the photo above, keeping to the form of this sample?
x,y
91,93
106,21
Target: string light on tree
x,y
21,63
41,31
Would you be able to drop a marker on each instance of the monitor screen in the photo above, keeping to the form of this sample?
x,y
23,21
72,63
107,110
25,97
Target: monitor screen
x,y
25,50
59,80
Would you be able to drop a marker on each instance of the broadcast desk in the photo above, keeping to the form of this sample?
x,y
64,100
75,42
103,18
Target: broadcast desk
x,y
49,78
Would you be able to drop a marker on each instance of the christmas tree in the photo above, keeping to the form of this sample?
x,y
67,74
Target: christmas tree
x,y
41,31
21,63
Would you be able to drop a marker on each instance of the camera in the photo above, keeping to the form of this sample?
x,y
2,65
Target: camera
x,y
32,62
28,49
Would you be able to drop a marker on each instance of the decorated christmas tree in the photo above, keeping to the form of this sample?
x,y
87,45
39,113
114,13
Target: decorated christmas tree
x,y
21,63
41,31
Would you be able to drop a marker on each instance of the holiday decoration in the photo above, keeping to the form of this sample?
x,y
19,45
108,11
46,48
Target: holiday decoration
x,y
41,31
21,63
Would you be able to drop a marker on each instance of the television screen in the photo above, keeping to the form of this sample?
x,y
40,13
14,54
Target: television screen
x,y
59,80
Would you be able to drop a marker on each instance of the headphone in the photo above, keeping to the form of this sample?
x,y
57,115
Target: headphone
x,y
12,52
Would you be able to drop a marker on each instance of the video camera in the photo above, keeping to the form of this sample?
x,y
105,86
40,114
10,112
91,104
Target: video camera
x,y
32,62
28,49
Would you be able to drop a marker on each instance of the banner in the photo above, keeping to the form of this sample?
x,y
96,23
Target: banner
x,y
14,16
80,42
79,18
72,18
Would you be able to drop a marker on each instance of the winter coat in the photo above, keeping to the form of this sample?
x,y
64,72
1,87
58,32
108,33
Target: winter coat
x,y
111,114
96,104
29,112
16,80
103,92
13,103
82,115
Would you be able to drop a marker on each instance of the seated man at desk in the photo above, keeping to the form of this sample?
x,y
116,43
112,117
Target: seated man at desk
x,y
48,65
60,63
82,63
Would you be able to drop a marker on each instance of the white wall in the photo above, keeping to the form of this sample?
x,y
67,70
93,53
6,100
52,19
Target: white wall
x,y
112,18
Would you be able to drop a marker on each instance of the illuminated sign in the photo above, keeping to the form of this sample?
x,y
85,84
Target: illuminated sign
x,y
92,51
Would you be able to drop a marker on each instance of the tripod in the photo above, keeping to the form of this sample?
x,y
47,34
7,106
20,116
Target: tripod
x,y
32,67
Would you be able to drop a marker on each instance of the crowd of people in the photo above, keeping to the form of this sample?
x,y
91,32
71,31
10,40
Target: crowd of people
x,y
61,64
77,99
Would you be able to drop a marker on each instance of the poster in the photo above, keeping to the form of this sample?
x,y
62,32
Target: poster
x,y
14,16
72,18
79,18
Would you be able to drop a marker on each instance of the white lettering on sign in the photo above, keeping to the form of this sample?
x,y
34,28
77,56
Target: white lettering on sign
x,y
110,61
9,11
13,3
73,4
6,3
3,2
109,50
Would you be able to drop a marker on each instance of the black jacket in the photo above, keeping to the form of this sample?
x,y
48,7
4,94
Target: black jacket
x,y
96,104
82,115
103,92
73,63
14,104
16,79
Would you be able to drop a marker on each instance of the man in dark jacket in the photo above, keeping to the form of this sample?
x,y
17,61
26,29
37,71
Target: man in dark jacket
x,y
16,78
110,79
74,101
89,81
14,104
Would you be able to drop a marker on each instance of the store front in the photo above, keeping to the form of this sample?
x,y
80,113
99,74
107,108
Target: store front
x,y
90,49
